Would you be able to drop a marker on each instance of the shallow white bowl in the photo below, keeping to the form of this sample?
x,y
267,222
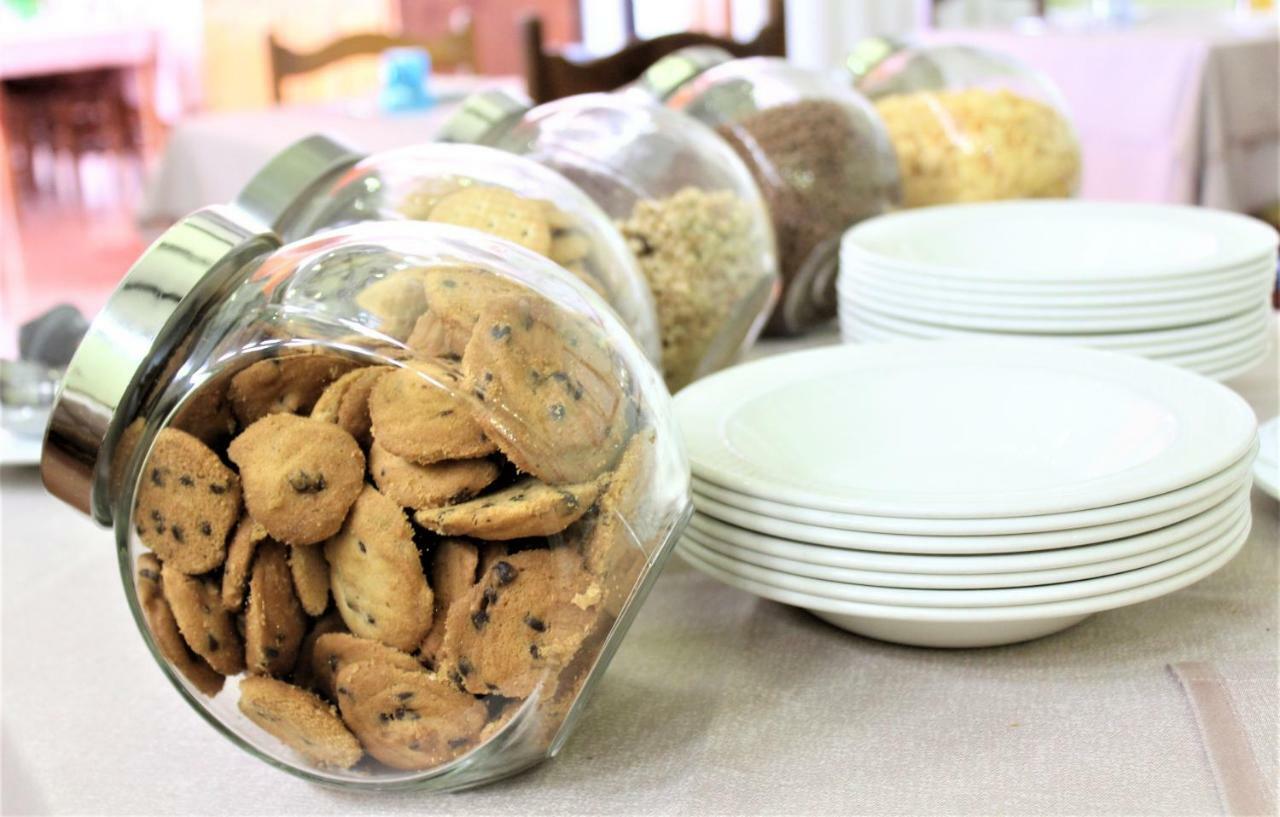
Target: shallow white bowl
x,y
961,564
965,581
979,598
955,627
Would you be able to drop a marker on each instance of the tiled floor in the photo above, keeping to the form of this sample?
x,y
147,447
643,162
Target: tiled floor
x,y
68,254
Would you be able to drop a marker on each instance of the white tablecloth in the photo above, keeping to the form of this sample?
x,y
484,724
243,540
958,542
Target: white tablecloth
x,y
717,702
209,158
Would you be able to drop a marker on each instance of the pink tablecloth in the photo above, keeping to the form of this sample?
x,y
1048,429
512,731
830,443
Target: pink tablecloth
x,y
1165,113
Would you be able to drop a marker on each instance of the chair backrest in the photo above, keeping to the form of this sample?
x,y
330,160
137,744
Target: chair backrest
x,y
448,52
551,76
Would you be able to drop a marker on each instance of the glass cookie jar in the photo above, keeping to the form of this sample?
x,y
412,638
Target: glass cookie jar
x,y
816,148
368,562
686,205
969,124
504,195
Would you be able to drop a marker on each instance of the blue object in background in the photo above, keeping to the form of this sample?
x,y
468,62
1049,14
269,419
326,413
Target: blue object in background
x,y
405,76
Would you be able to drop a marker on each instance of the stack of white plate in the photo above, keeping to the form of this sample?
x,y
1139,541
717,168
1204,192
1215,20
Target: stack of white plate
x,y
966,493
1184,285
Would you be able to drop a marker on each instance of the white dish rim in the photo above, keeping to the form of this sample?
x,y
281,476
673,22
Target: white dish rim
x,y
958,615
700,413
1177,522
1252,238
968,581
775,513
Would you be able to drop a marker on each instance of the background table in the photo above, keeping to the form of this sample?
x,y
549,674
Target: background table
x,y
208,158
717,702
1208,132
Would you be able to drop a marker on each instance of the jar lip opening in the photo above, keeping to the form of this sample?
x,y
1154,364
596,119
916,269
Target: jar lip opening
x,y
128,344
669,74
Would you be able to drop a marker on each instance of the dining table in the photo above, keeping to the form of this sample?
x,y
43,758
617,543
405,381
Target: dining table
x,y
210,156
1181,108
717,702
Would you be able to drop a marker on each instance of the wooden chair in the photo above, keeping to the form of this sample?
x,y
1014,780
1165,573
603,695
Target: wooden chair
x,y
552,76
451,52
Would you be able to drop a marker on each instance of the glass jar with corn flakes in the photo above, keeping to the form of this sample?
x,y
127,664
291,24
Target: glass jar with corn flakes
x,y
969,124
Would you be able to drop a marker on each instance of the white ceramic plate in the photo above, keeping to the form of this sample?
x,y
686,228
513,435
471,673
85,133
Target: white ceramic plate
x,y
1077,291
1210,363
1062,241
1245,324
1266,468
1049,323
966,581
855,328
973,429
955,627
19,449
1003,597
863,286
1073,528
934,557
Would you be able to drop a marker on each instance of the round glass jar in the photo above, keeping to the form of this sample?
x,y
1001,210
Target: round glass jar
x,y
818,152
686,205
501,194
969,124
371,563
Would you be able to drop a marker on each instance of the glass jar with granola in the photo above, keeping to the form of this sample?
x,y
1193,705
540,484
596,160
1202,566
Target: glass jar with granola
x,y
815,147
369,562
685,204
969,124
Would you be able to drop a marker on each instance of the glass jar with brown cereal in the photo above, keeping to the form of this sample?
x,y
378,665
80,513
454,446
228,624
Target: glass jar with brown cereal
x,y
685,204
815,147
970,124
372,563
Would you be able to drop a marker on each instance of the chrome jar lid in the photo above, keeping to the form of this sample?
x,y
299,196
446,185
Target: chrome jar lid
x,y
287,181
480,114
156,304
667,74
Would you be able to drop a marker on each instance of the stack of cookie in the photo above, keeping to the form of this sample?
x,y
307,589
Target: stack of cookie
x,y
405,550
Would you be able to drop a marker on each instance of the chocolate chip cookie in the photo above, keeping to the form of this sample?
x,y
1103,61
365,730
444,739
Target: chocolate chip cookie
x,y
428,486
408,719
300,476
336,649
557,396
300,721
454,563
376,575
235,571
346,401
288,384
164,629
310,577
527,508
205,625
187,502
526,617
419,414
274,622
